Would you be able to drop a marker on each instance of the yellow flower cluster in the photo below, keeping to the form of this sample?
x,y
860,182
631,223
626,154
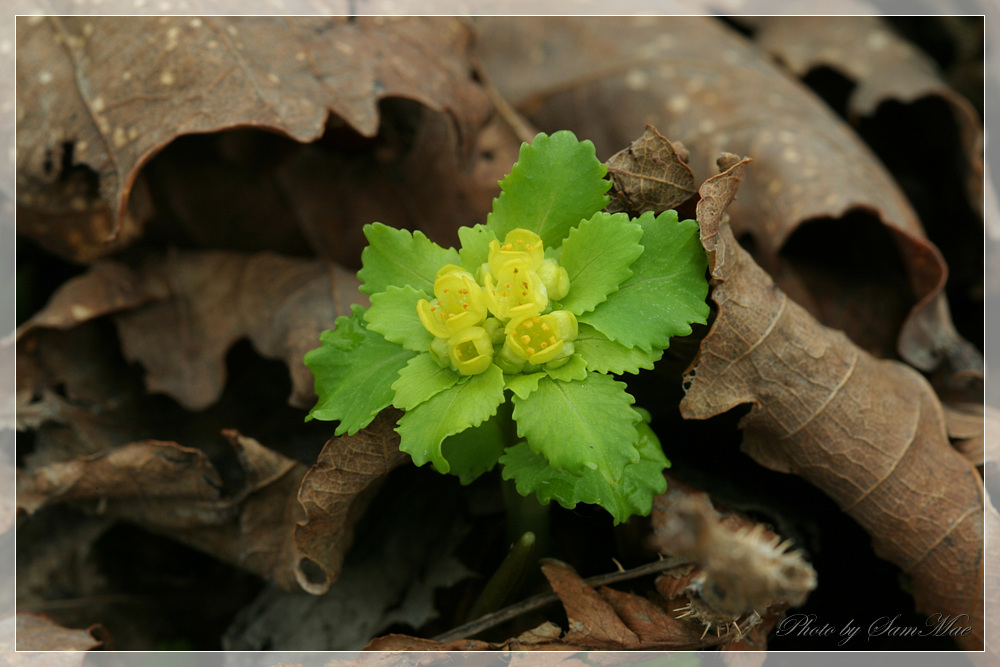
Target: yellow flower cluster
x,y
508,308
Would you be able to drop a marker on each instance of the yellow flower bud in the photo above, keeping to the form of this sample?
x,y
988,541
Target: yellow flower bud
x,y
538,339
471,350
460,303
555,278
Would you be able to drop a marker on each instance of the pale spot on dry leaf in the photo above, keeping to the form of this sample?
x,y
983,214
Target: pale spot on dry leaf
x,y
98,104
706,126
45,77
678,104
80,312
195,23
345,48
877,40
274,78
167,78
301,55
636,79
118,137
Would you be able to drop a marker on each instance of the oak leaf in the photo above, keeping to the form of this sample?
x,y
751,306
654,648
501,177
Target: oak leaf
x,y
178,314
106,94
870,433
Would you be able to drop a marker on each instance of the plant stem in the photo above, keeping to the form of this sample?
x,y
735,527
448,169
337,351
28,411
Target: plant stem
x,y
527,515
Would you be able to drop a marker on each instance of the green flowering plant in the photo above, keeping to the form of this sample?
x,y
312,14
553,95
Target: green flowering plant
x,y
504,352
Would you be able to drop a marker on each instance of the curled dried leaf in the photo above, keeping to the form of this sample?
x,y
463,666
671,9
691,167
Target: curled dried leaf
x,y
650,175
334,493
37,632
104,102
870,433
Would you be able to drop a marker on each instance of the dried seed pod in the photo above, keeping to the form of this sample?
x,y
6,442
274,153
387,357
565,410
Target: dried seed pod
x,y
743,570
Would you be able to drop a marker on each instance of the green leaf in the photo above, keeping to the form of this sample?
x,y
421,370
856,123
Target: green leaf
x,y
580,425
574,369
354,369
397,257
451,411
606,356
556,182
641,482
393,314
522,384
597,255
666,292
475,250
476,450
421,379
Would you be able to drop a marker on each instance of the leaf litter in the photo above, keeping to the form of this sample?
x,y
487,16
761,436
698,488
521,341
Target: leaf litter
x,y
147,334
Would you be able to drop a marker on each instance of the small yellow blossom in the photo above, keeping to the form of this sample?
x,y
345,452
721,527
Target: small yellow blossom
x,y
539,339
518,244
460,303
515,291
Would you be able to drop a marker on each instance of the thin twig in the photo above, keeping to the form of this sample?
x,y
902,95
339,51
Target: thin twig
x,y
530,604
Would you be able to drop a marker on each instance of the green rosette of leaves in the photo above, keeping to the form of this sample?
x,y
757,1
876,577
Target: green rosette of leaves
x,y
506,350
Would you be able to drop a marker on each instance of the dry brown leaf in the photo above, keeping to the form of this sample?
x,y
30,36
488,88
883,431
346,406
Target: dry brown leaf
x,y
282,516
336,491
702,84
655,626
179,314
883,66
274,194
603,619
99,96
650,175
37,632
150,478
870,433
592,620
